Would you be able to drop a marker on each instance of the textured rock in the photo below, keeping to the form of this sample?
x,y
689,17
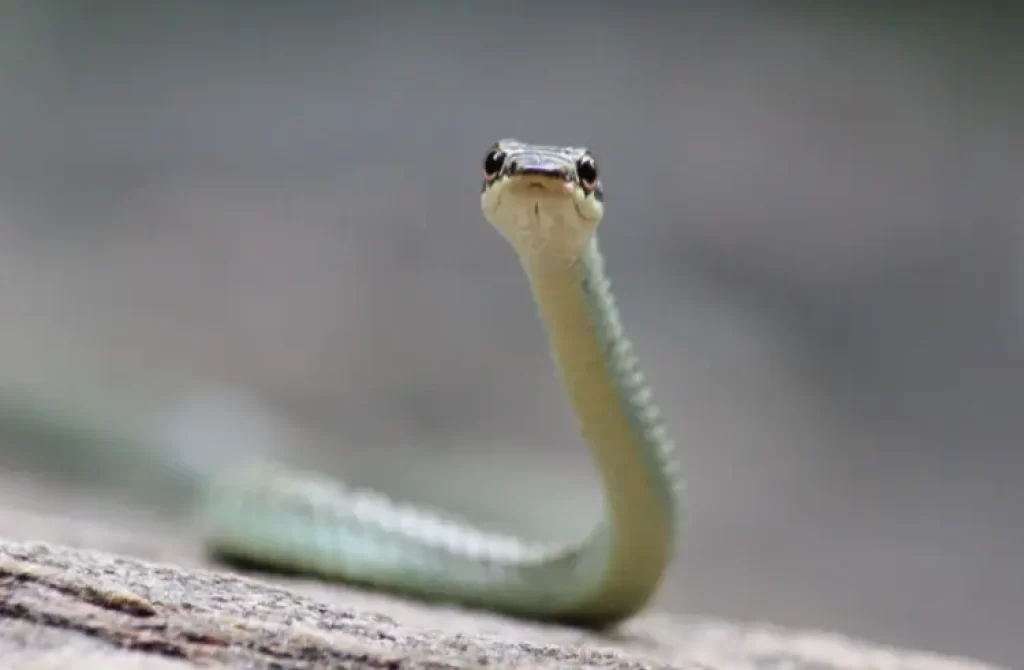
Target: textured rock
x,y
62,607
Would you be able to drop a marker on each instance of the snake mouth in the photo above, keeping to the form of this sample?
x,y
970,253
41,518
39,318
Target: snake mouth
x,y
552,172
543,179
540,174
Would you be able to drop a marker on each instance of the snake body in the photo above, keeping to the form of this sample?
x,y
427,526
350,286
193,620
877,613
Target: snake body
x,y
547,202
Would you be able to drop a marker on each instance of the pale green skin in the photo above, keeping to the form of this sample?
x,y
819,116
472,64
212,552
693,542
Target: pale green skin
x,y
303,523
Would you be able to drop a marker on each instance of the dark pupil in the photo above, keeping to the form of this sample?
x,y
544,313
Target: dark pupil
x,y
586,170
493,162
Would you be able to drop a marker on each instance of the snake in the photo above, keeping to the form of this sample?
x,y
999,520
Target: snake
x,y
547,203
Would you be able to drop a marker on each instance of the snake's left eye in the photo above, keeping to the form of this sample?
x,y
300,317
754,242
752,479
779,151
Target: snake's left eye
x,y
492,164
586,170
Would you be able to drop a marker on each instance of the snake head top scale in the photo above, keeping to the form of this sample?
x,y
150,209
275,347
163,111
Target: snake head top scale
x,y
545,200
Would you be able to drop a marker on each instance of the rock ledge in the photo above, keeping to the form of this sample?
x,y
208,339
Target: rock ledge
x,y
62,607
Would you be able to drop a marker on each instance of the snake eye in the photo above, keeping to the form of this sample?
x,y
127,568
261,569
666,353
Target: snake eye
x,y
492,164
586,170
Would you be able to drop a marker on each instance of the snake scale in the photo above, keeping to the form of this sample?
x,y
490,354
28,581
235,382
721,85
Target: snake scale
x,y
547,202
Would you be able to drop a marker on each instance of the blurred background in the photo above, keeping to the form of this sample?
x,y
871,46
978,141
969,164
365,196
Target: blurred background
x,y
813,225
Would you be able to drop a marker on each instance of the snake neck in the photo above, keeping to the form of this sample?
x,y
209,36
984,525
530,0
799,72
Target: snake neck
x,y
617,419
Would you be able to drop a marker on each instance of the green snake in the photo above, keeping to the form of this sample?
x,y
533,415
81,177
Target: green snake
x,y
547,203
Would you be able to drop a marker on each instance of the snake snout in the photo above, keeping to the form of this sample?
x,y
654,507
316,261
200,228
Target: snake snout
x,y
527,166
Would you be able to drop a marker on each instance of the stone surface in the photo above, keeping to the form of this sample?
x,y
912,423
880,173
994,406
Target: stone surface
x,y
64,607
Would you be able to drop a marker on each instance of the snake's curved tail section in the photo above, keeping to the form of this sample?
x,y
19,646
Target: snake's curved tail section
x,y
311,525
166,458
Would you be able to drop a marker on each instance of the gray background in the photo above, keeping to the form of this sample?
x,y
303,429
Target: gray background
x,y
813,227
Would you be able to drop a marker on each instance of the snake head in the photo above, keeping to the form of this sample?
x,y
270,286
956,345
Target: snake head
x,y
542,198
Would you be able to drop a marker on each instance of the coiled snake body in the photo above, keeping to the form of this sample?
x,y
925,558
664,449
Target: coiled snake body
x,y
547,202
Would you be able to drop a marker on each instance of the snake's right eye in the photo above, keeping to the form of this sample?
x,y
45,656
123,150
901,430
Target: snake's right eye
x,y
492,164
